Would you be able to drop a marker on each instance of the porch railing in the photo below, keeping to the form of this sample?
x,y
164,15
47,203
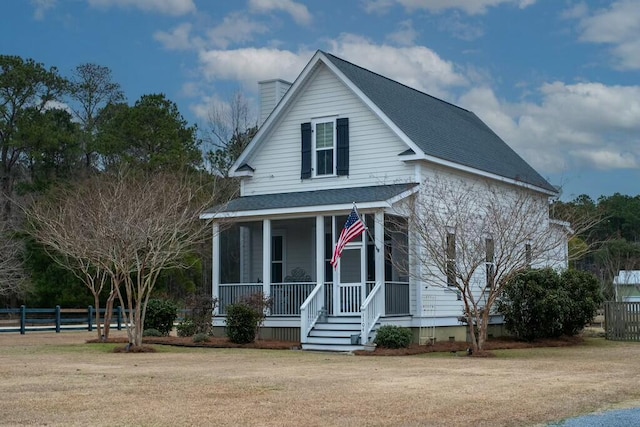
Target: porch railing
x,y
311,310
370,311
288,297
396,298
233,293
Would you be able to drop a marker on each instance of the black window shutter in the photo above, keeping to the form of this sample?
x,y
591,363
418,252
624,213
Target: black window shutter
x,y
342,133
306,150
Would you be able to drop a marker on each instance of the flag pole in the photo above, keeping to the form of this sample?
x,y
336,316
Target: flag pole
x,y
355,208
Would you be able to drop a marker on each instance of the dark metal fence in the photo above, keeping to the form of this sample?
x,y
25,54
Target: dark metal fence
x,y
25,319
622,321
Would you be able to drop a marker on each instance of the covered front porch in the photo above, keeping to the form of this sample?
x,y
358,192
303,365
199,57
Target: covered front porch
x,y
286,256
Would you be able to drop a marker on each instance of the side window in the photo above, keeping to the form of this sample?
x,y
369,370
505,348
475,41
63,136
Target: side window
x,y
451,259
489,261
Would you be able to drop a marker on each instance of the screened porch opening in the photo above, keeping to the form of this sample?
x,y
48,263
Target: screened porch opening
x,y
292,274
292,261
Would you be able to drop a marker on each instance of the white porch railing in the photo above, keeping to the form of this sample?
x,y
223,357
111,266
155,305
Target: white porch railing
x,y
370,311
232,293
288,297
311,310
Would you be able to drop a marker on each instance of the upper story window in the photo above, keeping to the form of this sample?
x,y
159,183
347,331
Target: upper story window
x,y
324,147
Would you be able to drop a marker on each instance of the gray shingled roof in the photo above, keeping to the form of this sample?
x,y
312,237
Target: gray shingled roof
x,y
339,196
441,129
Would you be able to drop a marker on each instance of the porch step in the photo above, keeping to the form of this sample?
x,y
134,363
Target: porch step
x,y
334,335
332,347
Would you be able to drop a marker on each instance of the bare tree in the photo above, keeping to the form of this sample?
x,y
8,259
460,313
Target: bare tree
x,y
13,280
129,226
61,222
231,126
471,238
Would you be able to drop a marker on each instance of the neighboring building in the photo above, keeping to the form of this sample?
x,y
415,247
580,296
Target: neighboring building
x,y
342,134
627,286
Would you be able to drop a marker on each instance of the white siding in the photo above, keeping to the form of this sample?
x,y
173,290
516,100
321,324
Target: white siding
x,y
373,151
447,302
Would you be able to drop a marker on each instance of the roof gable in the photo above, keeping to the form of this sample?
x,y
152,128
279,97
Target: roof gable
x,y
434,129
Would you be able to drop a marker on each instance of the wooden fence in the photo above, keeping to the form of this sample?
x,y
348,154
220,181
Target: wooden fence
x,y
25,319
622,321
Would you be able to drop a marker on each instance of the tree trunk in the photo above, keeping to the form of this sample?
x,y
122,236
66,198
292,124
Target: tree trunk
x,y
108,314
96,305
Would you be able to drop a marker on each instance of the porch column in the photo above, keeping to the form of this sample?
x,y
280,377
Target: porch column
x,y
215,263
266,257
320,249
379,241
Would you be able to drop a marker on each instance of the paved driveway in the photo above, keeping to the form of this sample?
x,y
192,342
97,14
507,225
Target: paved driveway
x,y
620,417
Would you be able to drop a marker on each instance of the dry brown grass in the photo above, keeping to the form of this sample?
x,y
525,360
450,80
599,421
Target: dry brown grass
x,y
57,379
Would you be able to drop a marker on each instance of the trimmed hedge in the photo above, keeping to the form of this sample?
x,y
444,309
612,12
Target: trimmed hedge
x,y
389,336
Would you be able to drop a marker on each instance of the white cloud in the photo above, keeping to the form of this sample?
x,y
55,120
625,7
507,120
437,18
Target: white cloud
x,y
209,105
459,28
415,66
177,39
235,28
377,6
405,35
471,7
609,159
166,7
298,11
251,65
618,26
580,125
41,7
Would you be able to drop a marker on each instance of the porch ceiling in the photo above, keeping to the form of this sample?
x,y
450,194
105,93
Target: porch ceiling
x,y
378,196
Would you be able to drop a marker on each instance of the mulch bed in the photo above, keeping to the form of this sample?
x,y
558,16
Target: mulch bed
x,y
461,348
214,342
457,347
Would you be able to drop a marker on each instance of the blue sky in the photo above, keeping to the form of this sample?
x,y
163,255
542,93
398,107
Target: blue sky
x,y
558,80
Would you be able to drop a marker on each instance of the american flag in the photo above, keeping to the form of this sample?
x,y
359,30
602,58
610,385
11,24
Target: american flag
x,y
352,229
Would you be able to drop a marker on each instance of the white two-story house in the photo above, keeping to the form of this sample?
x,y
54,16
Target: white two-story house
x,y
339,135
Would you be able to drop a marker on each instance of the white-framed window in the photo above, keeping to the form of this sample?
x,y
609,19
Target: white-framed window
x,y
490,250
324,146
451,258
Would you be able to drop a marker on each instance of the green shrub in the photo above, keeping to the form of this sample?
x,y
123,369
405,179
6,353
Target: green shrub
x,y
241,323
200,337
533,304
151,333
390,336
544,304
160,315
186,328
585,296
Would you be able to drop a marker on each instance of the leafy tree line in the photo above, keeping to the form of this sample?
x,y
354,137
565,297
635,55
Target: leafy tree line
x,y
58,133
614,241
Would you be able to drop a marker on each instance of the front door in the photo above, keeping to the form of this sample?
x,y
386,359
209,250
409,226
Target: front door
x,y
349,287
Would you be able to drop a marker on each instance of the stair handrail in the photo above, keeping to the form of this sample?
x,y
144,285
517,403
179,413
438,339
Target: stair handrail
x,y
370,311
311,310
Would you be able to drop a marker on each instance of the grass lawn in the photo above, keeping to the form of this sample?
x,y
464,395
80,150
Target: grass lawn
x,y
57,379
